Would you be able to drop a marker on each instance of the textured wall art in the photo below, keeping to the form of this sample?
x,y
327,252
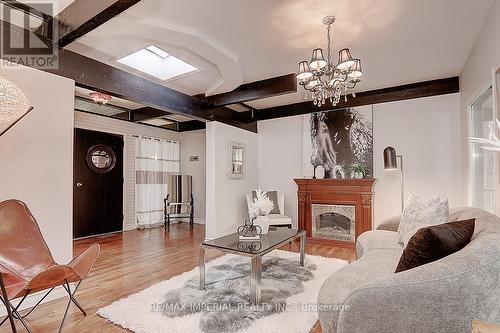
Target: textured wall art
x,y
340,141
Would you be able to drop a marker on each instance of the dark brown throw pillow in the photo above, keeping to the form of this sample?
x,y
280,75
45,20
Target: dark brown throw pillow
x,y
433,243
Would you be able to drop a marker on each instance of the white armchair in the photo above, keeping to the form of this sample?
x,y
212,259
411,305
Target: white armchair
x,y
279,220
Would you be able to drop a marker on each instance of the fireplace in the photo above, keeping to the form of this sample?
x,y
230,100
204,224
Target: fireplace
x,y
336,211
337,222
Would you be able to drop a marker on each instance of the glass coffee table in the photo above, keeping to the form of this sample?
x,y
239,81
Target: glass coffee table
x,y
255,249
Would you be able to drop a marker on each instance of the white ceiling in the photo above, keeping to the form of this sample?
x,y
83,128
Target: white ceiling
x,y
62,4
58,5
234,42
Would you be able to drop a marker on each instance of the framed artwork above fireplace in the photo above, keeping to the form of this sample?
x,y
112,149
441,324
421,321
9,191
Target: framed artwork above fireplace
x,y
338,141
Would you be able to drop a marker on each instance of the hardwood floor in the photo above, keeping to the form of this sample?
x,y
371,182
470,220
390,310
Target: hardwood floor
x,y
130,262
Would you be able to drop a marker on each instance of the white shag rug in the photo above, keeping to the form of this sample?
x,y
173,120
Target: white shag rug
x,y
139,312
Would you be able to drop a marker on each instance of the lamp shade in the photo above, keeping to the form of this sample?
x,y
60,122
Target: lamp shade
x,y
390,160
345,59
304,72
317,60
13,102
356,71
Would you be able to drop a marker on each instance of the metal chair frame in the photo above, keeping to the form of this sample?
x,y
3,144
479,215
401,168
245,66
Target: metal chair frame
x,y
166,211
13,311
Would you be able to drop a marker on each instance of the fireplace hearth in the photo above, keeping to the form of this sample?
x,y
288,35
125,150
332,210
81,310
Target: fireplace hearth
x,y
336,211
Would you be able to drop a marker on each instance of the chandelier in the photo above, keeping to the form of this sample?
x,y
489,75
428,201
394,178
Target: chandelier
x,y
325,81
99,98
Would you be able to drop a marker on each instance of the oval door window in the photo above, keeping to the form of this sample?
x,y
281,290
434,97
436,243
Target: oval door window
x,y
101,158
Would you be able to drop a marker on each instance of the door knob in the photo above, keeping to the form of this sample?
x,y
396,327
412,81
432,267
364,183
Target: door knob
x,y
79,184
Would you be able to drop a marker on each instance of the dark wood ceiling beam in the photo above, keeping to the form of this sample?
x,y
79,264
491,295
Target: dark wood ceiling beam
x,y
147,112
249,107
392,94
173,126
70,33
95,75
142,114
178,126
275,86
126,115
191,125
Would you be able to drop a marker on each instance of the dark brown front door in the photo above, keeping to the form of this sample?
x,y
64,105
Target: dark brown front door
x,y
98,183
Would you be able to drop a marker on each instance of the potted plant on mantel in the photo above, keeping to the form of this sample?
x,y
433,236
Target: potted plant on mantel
x,y
359,170
260,207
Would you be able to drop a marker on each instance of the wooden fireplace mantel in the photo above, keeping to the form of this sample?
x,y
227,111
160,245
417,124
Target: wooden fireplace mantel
x,y
354,192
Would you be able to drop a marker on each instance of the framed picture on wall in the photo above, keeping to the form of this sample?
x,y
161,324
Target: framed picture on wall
x,y
339,141
236,165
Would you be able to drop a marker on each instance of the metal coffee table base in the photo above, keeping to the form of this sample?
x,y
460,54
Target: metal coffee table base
x,y
255,280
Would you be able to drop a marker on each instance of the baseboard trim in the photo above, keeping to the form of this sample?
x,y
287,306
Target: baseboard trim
x,y
129,227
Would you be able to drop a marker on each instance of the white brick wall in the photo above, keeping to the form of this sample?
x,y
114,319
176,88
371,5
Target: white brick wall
x,y
127,129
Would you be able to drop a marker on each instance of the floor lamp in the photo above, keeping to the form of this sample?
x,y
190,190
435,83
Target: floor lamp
x,y
14,104
391,163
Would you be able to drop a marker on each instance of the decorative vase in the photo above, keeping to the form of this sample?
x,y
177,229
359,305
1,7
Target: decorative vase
x,y
263,222
358,175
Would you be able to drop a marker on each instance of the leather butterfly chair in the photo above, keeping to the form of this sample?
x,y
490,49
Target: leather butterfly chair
x,y
27,266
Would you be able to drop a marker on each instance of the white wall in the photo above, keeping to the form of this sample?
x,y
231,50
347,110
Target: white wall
x,y
193,143
426,131
280,159
478,73
127,129
226,204
37,156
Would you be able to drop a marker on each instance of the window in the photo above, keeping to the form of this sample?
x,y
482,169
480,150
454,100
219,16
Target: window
x,y
483,162
156,50
159,63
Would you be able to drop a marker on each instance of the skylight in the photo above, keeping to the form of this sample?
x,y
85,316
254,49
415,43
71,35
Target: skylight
x,y
157,62
159,52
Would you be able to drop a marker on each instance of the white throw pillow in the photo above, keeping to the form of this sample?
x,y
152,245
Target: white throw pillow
x,y
432,215
413,206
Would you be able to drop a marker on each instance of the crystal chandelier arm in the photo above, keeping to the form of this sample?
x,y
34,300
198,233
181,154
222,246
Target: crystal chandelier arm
x,y
342,77
353,85
304,83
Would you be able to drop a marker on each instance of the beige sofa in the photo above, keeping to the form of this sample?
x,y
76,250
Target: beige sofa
x,y
442,296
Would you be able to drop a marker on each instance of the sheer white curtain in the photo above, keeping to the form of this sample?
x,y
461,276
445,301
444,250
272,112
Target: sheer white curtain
x,y
154,160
